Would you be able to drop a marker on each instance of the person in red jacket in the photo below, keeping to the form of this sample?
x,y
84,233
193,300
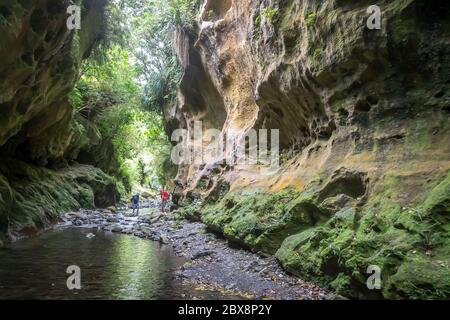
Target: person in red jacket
x,y
164,199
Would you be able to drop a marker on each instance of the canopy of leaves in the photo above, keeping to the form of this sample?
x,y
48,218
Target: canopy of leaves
x,y
132,74
153,24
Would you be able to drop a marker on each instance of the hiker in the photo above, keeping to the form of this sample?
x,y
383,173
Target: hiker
x,y
135,203
164,199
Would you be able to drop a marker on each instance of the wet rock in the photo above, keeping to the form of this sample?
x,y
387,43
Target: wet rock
x,y
117,229
231,286
251,266
155,236
113,219
139,234
180,275
201,253
113,209
164,239
77,223
128,231
151,218
80,216
143,225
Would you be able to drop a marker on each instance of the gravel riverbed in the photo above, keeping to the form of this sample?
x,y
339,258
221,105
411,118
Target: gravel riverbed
x,y
211,264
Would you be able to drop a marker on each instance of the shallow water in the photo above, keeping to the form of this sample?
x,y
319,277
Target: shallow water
x,y
113,266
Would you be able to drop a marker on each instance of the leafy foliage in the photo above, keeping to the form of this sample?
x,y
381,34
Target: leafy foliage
x,y
310,19
153,26
128,79
270,13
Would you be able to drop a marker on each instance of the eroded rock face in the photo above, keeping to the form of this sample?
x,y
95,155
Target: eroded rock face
x,y
39,67
39,62
364,124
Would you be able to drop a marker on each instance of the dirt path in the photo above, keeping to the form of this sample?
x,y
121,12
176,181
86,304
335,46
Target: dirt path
x,y
211,263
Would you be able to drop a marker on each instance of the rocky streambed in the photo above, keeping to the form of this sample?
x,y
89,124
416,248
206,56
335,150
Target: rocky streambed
x,y
212,265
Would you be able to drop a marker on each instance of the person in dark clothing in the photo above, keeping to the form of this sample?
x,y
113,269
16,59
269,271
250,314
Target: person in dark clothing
x,y
135,203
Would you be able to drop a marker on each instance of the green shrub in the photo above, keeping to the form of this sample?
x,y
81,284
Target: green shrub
x,y
270,13
310,19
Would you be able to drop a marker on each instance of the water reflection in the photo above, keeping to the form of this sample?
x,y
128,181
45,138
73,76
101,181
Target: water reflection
x,y
112,267
138,271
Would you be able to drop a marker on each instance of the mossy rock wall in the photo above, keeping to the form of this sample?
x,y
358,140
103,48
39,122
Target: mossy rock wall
x,y
33,197
40,60
363,117
332,238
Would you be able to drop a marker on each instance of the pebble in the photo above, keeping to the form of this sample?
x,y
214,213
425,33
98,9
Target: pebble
x,y
117,229
112,219
200,254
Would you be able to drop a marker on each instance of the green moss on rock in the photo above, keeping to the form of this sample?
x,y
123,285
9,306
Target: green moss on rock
x,y
6,199
331,234
410,245
35,197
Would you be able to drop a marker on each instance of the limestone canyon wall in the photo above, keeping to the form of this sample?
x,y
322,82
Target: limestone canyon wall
x,y
364,125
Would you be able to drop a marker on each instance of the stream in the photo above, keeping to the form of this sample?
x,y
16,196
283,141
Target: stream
x,y
113,266
146,257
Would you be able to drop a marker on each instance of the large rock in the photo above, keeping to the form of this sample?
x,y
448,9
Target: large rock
x,y
364,124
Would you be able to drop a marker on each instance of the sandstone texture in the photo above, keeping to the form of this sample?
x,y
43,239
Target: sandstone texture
x,y
364,125
39,66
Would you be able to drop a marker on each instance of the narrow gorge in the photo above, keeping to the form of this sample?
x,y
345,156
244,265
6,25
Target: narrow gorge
x,y
362,113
